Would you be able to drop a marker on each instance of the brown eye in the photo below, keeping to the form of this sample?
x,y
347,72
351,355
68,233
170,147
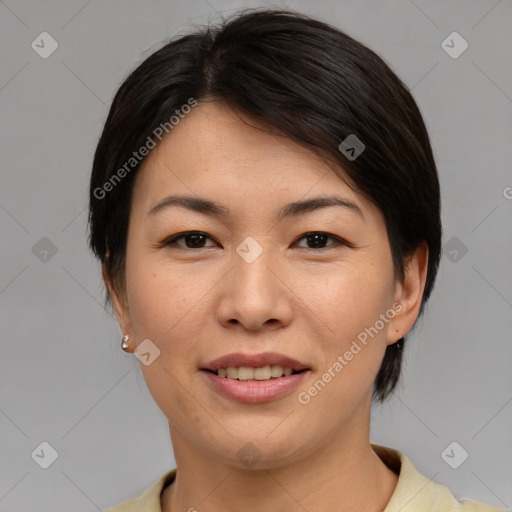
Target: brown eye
x,y
318,239
193,240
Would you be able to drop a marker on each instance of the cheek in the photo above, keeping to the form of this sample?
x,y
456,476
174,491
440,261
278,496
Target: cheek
x,y
348,305
164,303
346,300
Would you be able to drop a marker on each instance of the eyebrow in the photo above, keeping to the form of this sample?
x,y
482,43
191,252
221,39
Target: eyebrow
x,y
207,207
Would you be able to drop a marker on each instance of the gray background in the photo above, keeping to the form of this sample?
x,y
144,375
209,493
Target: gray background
x,y
64,378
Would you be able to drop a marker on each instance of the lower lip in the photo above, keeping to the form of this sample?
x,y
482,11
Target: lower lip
x,y
256,391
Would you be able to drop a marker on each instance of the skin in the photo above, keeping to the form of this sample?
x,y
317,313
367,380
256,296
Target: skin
x,y
197,304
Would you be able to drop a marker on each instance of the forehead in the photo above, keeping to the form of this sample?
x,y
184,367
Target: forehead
x,y
218,152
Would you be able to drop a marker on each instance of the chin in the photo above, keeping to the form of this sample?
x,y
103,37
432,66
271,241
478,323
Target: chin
x,y
253,450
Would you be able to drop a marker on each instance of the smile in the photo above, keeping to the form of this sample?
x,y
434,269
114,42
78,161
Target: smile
x,y
246,373
254,378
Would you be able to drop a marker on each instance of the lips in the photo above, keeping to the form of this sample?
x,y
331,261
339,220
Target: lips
x,y
254,390
255,361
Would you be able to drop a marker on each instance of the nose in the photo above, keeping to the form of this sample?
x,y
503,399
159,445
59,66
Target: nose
x,y
255,294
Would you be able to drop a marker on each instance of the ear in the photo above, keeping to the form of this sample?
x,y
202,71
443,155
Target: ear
x,y
409,294
119,302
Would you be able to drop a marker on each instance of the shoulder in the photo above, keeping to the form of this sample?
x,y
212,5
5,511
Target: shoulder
x,y
149,500
476,506
417,493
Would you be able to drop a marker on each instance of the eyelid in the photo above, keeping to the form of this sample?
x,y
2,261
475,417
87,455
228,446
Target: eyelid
x,y
337,239
171,239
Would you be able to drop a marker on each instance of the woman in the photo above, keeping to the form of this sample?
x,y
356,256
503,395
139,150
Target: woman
x,y
265,205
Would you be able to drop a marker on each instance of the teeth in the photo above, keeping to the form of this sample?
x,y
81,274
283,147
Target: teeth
x,y
276,370
232,373
245,373
262,373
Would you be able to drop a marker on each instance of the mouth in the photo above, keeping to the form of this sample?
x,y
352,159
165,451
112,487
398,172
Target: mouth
x,y
254,378
258,374
255,367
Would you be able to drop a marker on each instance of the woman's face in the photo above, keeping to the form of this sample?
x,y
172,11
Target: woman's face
x,y
251,285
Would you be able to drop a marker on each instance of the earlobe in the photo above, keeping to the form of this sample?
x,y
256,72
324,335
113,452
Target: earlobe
x,y
409,293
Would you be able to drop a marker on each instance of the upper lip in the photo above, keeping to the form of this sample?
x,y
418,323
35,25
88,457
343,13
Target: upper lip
x,y
238,359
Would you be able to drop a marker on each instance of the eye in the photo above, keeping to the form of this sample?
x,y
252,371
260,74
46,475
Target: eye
x,y
318,238
195,240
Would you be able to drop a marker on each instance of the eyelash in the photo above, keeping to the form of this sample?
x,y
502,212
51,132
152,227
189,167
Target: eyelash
x,y
168,242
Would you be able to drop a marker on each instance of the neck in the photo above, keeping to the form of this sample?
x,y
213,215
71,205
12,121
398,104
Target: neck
x,y
341,473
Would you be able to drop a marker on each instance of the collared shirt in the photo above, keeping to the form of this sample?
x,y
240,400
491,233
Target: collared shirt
x,y
414,492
